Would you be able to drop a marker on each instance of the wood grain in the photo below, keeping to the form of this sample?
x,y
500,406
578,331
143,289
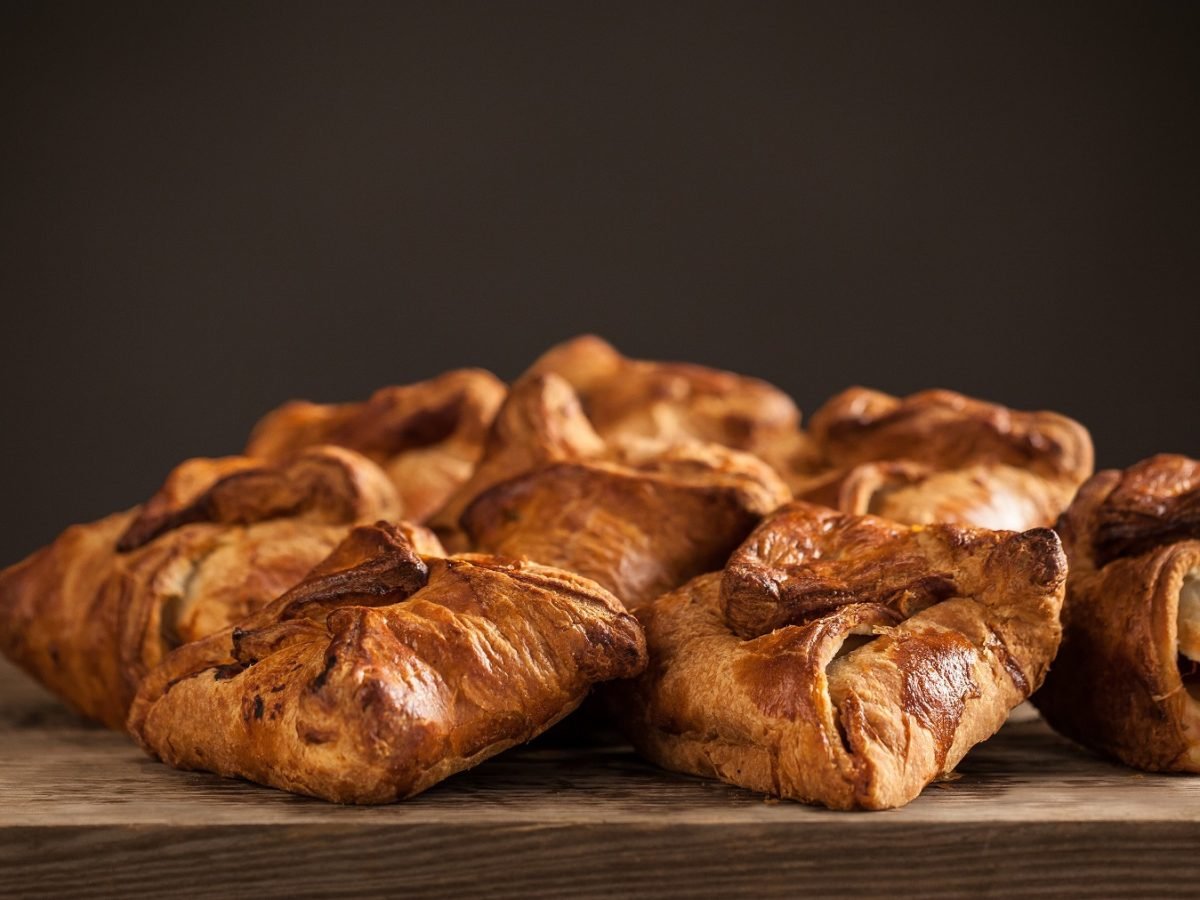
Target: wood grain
x,y
84,813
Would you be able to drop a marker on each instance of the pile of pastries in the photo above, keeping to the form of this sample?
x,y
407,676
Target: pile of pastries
x,y
377,595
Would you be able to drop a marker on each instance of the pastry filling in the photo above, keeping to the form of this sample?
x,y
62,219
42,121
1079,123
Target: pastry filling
x,y
1189,633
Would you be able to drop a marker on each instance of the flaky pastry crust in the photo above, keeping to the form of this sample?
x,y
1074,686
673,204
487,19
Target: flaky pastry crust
x,y
669,401
426,436
938,456
385,671
846,660
639,517
90,614
540,422
1127,680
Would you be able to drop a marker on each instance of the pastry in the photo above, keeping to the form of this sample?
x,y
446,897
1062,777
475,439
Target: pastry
x,y
90,614
1127,680
386,671
639,517
426,436
672,402
937,456
540,422
846,660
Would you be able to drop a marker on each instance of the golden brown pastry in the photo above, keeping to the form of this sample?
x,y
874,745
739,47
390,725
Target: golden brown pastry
x,y
385,672
938,456
1127,680
540,422
426,436
90,614
846,660
672,402
639,517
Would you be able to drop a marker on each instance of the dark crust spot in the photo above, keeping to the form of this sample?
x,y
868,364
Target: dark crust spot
x,y
313,736
245,492
804,562
227,671
375,565
1036,555
760,605
422,428
1015,674
260,493
852,725
1127,532
739,429
174,681
938,671
258,706
323,675
1154,503
779,672
146,528
943,426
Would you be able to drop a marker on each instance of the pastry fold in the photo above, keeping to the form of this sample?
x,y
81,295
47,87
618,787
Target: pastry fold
x,y
938,456
92,613
1127,680
637,516
427,436
386,671
846,660
670,401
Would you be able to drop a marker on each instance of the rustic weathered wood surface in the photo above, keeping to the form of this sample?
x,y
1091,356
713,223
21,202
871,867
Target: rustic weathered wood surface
x,y
83,812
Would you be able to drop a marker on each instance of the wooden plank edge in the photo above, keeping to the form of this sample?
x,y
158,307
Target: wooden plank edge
x,y
1064,859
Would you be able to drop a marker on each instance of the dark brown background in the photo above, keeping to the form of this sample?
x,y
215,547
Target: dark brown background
x,y
207,211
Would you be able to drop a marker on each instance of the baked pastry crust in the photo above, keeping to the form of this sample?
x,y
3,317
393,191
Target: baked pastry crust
x,y
938,456
639,517
427,436
757,678
90,614
668,401
385,671
540,422
1127,680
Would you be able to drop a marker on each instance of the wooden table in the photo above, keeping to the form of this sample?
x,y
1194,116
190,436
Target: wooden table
x,y
82,811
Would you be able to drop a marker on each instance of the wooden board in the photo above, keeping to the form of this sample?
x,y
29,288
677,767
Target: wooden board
x,y
83,812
